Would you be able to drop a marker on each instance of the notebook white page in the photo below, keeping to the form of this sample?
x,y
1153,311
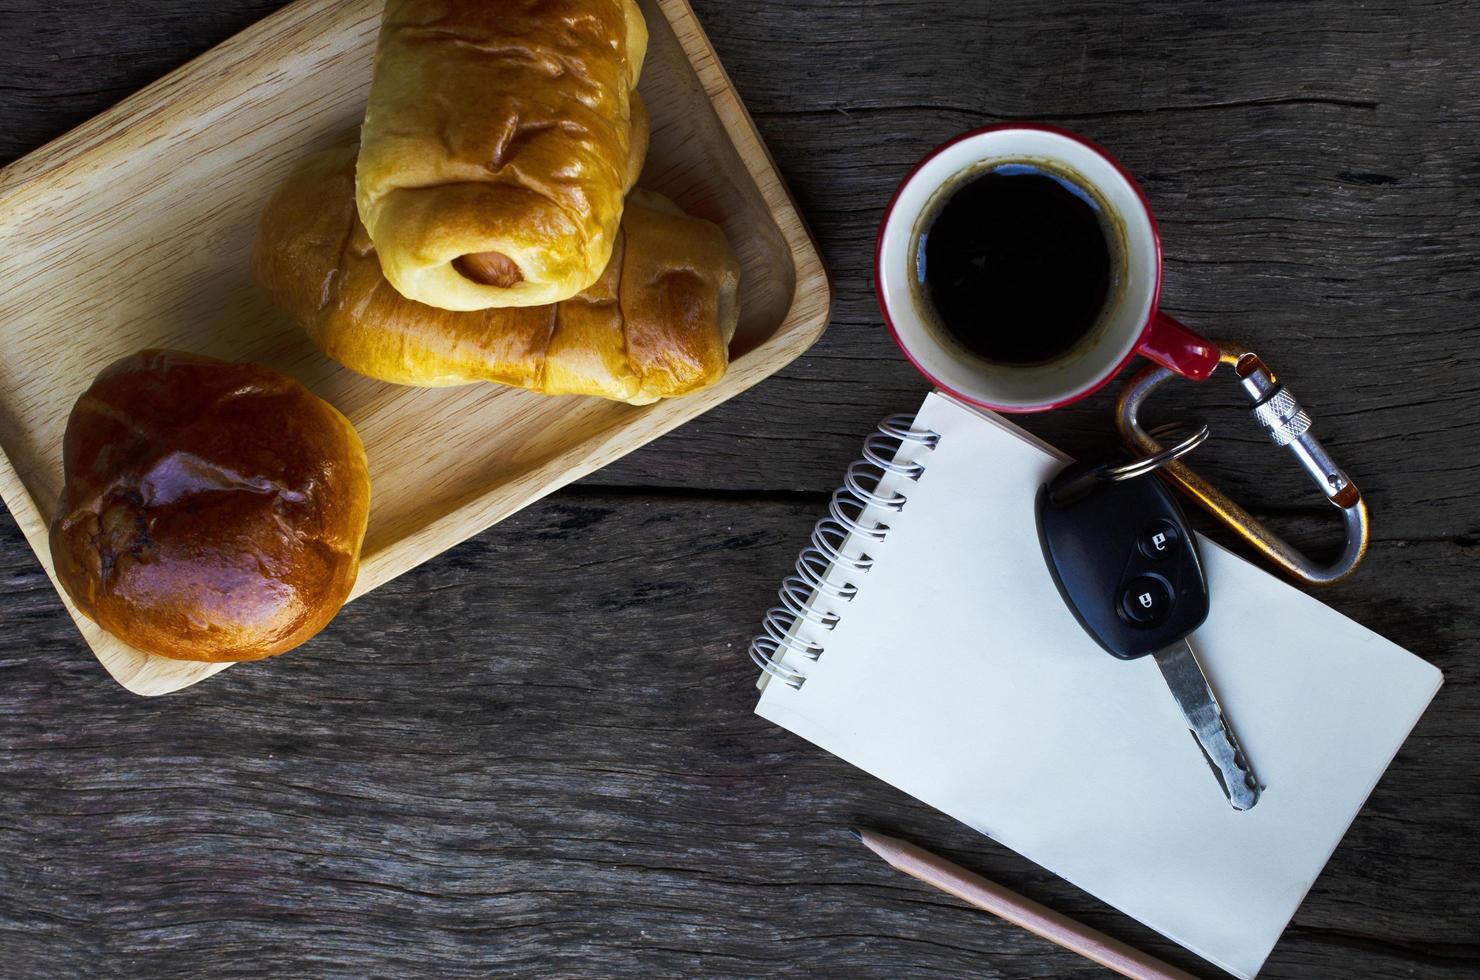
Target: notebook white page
x,y
958,675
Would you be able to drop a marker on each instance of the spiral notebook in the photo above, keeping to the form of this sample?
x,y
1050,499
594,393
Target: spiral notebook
x,y
922,640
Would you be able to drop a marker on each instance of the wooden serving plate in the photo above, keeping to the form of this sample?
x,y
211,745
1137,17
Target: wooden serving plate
x,y
133,231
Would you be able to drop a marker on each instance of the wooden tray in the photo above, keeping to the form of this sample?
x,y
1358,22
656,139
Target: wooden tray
x,y
133,231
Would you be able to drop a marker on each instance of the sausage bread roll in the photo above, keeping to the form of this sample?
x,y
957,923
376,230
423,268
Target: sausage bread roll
x,y
655,324
495,141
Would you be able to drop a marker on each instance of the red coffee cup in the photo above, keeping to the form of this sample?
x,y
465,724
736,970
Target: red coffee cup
x,y
1130,324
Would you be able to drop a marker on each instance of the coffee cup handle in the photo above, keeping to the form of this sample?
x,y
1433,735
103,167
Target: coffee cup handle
x,y
1175,347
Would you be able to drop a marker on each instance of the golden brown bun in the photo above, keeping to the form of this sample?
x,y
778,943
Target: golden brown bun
x,y
656,324
496,268
212,511
504,128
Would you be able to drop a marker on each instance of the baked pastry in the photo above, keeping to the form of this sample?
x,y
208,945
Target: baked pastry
x,y
656,324
211,511
494,146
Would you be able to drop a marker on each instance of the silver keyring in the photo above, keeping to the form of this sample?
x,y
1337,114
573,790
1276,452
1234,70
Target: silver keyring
x,y
1197,433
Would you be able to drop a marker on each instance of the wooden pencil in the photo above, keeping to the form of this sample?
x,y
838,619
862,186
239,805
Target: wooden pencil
x,y
1026,913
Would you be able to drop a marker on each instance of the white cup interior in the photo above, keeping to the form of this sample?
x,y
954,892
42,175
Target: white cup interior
x,y
1011,386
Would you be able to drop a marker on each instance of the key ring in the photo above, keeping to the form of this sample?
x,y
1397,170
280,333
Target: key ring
x,y
1197,434
1077,482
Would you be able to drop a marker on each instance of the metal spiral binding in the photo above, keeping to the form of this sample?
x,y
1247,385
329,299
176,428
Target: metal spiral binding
x,y
838,509
823,534
787,627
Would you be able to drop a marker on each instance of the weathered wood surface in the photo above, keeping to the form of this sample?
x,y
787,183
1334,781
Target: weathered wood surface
x,y
537,752
548,762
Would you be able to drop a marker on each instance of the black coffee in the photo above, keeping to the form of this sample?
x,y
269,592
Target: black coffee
x,y
1017,264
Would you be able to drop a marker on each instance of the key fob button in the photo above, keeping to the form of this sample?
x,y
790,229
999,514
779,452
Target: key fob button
x,y
1158,540
1146,601
1093,545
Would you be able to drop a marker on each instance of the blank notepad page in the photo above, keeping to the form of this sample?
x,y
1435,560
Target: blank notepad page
x,y
957,674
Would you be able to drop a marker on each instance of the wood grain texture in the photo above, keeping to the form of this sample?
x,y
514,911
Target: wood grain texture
x,y
548,762
537,753
1312,173
154,204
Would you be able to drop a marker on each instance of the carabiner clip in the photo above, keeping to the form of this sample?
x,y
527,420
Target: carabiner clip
x,y
1289,426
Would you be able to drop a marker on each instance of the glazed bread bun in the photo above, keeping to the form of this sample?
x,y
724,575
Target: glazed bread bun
x,y
656,324
211,511
495,141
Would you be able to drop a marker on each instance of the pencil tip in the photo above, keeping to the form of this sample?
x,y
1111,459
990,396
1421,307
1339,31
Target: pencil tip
x,y
857,834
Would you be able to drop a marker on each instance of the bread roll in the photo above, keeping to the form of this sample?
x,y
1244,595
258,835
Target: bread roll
x,y
211,511
495,141
656,324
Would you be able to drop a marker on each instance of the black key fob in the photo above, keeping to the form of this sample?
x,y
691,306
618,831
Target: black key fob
x,y
1123,559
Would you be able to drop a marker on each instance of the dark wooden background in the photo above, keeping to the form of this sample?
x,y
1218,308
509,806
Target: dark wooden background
x,y
537,754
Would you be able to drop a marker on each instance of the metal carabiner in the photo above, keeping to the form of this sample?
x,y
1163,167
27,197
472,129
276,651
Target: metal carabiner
x,y
1289,426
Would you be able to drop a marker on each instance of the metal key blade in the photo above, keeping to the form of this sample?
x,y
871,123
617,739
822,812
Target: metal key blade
x,y
1205,718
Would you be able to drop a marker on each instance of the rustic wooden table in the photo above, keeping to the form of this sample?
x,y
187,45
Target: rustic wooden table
x,y
537,752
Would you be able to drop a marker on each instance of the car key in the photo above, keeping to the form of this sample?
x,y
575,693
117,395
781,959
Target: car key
x,y
1127,567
